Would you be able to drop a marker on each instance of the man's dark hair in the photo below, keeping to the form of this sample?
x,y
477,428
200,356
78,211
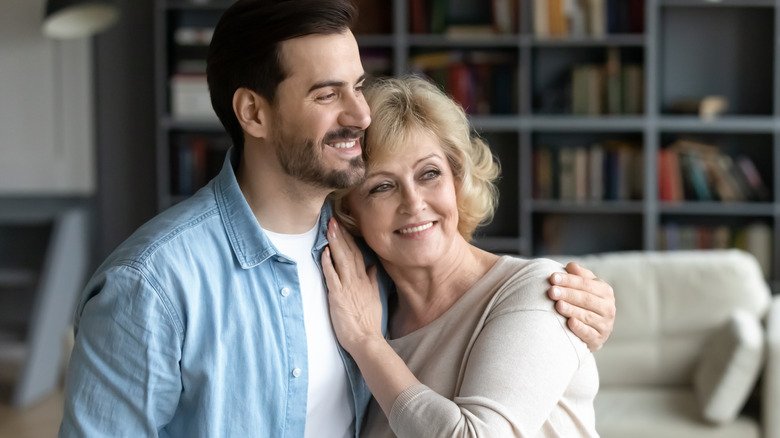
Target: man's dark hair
x,y
245,49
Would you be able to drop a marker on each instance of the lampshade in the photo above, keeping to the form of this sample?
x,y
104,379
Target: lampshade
x,y
78,18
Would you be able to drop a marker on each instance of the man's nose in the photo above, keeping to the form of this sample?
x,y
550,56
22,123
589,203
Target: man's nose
x,y
356,113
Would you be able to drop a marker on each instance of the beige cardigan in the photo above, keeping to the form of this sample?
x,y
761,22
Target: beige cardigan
x,y
500,363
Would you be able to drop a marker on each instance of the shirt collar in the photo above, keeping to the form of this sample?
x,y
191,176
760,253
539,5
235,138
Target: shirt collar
x,y
250,244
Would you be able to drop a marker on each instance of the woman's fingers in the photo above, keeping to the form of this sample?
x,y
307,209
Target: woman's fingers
x,y
331,277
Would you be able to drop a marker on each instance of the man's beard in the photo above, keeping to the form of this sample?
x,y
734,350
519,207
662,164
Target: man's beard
x,y
301,160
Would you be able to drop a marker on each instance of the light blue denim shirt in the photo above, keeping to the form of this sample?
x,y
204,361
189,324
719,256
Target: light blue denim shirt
x,y
194,327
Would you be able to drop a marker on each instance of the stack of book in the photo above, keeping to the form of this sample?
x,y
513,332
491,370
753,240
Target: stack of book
x,y
463,17
611,88
195,159
587,18
755,238
482,82
608,171
692,171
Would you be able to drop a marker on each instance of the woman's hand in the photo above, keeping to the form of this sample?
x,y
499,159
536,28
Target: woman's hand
x,y
355,306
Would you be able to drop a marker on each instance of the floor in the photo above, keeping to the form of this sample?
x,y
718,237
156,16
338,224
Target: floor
x,y
41,420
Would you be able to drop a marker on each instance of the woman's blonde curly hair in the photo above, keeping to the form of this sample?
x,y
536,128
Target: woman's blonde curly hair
x,y
404,108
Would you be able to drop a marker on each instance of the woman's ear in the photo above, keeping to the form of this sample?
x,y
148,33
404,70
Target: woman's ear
x,y
252,112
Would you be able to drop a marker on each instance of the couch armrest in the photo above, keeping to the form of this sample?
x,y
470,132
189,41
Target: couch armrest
x,y
770,400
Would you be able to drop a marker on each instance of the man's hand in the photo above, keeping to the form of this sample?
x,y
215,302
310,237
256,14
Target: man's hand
x,y
587,301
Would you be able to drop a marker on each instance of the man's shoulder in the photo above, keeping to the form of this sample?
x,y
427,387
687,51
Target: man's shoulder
x,y
174,224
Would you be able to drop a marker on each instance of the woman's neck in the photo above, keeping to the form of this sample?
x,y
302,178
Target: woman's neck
x,y
426,293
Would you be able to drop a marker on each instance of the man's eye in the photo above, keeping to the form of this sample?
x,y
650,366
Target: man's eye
x,y
327,96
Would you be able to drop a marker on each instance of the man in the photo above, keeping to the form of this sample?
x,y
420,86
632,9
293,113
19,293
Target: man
x,y
212,320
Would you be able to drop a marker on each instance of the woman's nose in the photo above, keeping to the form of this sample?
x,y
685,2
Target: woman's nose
x,y
412,201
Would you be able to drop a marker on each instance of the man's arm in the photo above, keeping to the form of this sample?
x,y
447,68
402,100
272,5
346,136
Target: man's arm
x,y
123,377
587,301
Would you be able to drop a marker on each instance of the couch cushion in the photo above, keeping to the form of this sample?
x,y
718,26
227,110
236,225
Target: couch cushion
x,y
729,367
667,304
660,412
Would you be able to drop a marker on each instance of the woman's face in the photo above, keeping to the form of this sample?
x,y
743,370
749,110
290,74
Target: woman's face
x,y
406,209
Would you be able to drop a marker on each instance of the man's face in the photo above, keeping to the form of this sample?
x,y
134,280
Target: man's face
x,y
320,111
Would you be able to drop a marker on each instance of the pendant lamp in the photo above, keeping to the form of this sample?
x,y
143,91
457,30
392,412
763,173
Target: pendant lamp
x,y
67,19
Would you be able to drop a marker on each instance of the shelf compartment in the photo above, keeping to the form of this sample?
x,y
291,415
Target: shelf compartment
x,y
483,82
506,221
499,245
736,168
585,233
195,158
588,81
723,51
753,234
587,168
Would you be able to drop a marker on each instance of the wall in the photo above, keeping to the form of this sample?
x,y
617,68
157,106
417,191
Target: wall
x,y
46,128
124,72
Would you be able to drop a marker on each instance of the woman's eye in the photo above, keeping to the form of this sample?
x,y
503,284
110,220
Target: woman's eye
x,y
431,174
380,188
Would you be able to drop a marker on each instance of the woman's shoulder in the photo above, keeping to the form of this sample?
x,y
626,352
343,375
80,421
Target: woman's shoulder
x,y
522,284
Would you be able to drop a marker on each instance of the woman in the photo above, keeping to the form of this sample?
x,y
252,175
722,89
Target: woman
x,y
475,346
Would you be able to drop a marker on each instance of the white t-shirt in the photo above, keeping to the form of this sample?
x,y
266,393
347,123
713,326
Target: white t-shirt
x,y
329,409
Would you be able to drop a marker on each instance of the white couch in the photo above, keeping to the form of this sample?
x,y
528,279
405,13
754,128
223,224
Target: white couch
x,y
694,333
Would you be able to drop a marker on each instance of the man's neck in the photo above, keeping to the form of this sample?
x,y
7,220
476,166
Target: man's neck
x,y
280,203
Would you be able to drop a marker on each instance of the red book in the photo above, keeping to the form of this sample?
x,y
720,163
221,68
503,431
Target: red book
x,y
459,85
418,18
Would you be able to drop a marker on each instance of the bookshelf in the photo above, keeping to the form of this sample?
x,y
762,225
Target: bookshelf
x,y
646,65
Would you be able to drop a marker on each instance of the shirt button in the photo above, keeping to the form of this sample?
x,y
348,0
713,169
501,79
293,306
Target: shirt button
x,y
296,372
285,291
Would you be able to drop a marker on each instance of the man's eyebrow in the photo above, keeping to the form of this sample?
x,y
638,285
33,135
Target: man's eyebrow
x,y
324,84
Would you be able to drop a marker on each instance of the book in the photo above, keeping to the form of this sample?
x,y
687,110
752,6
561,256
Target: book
x,y
664,178
614,80
753,177
374,17
693,171
597,18
756,238
595,87
543,173
596,172
576,18
566,175
556,16
581,165
633,89
505,16
438,16
418,17
541,20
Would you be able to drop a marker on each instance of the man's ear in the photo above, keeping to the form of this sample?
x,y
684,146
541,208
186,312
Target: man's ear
x,y
252,112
